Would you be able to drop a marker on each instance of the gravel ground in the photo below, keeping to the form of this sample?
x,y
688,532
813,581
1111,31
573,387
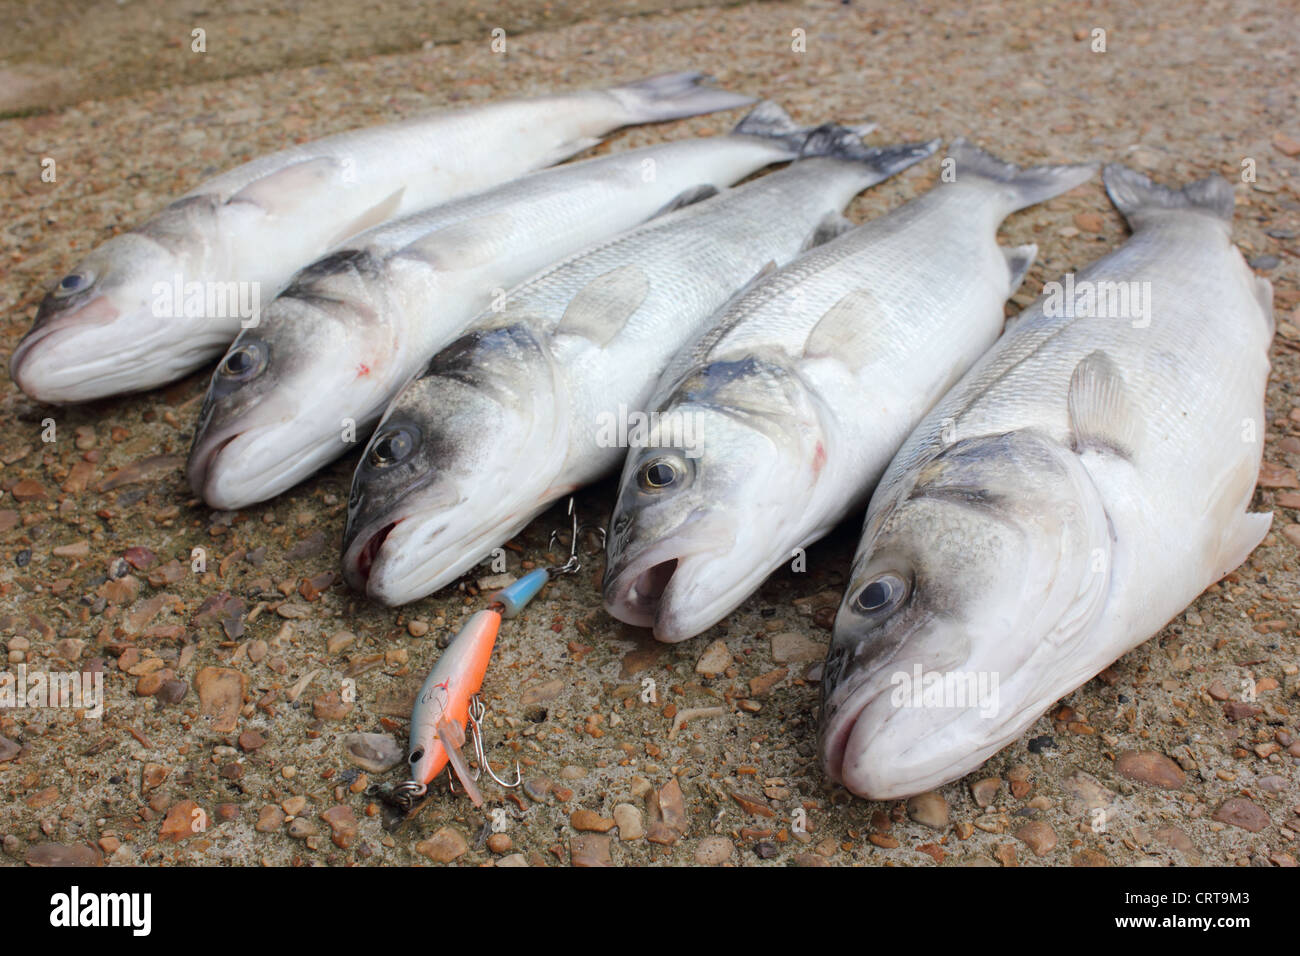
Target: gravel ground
x,y
229,689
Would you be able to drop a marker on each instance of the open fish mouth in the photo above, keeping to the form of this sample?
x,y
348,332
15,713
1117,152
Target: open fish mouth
x,y
364,561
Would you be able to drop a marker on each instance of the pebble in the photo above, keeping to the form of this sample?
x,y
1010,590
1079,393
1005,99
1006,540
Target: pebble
x,y
589,849
172,691
629,821
514,859
221,694
331,706
376,753
443,846
1241,812
343,825
183,820
54,854
714,851
251,740
541,693
339,641
714,660
1089,221
300,828
294,805
269,819
929,809
8,750
985,791
1038,836
499,843
1150,767
792,647
1174,838
1085,788
588,821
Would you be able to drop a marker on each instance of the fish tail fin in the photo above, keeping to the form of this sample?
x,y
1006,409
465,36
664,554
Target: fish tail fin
x,y
1135,194
671,96
1023,186
769,121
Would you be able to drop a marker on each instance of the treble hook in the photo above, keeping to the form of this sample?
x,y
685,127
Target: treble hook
x,y
574,563
476,712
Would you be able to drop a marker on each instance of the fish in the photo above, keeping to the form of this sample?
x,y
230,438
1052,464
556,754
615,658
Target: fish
x,y
533,400
803,390
1077,489
332,351
153,304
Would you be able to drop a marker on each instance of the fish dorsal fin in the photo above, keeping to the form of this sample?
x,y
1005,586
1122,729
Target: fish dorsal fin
x,y
845,331
1101,415
452,736
464,245
381,211
280,191
602,307
687,197
832,226
1019,259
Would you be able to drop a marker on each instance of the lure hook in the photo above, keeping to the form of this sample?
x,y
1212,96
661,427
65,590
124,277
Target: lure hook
x,y
576,530
476,712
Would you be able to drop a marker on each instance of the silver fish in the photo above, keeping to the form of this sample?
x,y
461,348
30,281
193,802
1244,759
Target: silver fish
x,y
806,387
336,347
537,399
1080,486
153,304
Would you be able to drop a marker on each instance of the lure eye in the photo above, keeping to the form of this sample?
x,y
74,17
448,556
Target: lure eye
x,y
416,756
75,282
243,362
657,474
883,593
392,446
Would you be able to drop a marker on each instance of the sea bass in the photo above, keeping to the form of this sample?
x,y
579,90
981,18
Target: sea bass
x,y
153,304
1083,483
352,329
536,400
804,389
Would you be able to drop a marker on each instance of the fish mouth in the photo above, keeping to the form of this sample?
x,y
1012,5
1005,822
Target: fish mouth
x,y
52,378
359,562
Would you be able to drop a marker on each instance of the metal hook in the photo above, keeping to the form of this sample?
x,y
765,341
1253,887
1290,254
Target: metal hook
x,y
476,712
576,530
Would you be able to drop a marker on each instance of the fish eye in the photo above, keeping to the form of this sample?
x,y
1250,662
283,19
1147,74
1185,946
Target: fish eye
x,y
392,446
75,282
243,362
882,593
658,473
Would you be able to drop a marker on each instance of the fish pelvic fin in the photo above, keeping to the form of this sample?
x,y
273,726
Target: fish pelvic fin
x,y
671,96
1022,187
1135,195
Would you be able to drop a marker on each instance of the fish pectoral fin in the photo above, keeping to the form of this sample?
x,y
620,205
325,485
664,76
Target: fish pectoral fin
x,y
452,736
1019,259
1264,295
687,197
602,307
832,226
1239,539
568,148
845,332
285,189
465,245
381,211
1101,415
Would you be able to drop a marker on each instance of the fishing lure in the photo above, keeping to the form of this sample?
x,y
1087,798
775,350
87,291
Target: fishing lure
x,y
448,708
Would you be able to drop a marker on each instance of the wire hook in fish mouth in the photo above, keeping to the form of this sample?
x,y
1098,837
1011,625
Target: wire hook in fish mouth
x,y
476,711
576,531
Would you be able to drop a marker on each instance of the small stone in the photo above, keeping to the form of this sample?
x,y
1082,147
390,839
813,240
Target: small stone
x,y
377,753
172,691
541,693
629,822
714,660
929,809
8,750
985,791
343,825
1240,812
1174,838
792,647
1150,767
300,828
54,854
762,685
1006,854
514,859
226,812
499,843
1038,836
183,820
331,706
443,846
221,695
339,641
538,788
294,805
714,851
251,740
1089,221
589,849
269,819
589,821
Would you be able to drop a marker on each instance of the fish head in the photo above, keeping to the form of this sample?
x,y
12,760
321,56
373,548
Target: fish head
x,y
708,499
296,390
97,332
465,455
978,575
